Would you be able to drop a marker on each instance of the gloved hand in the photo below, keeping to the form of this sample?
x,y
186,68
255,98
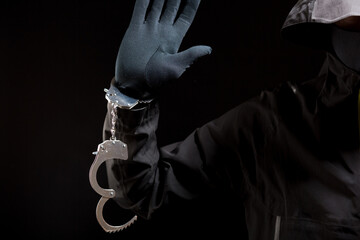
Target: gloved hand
x,y
148,56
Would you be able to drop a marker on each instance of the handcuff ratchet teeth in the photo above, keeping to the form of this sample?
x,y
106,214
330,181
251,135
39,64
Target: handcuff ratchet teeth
x,y
108,150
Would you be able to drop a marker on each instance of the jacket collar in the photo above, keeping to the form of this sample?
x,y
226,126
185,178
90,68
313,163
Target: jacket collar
x,y
340,81
334,83
330,109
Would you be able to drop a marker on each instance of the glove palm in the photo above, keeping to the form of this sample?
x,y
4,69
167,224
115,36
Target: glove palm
x,y
148,56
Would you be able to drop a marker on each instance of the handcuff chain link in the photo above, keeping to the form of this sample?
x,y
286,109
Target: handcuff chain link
x,y
114,118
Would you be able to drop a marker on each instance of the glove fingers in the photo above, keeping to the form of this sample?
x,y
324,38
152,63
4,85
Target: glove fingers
x,y
189,11
187,16
156,10
139,12
172,7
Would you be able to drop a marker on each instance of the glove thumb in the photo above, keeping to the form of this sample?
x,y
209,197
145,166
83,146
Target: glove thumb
x,y
187,57
164,67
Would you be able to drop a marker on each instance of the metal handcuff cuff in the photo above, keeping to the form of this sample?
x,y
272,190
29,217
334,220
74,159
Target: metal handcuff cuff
x,y
108,150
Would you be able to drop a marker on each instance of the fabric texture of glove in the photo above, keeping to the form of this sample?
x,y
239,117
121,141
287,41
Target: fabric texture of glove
x,y
148,56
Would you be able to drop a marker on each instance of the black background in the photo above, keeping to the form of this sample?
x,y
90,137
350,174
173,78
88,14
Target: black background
x,y
56,59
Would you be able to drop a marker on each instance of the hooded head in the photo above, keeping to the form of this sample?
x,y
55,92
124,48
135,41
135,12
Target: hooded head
x,y
330,25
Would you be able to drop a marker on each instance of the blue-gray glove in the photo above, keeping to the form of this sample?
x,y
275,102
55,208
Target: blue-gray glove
x,y
148,56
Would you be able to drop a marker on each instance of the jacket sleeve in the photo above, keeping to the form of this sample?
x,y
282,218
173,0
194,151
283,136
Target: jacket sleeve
x,y
209,157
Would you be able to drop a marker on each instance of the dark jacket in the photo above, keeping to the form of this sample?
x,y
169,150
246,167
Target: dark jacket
x,y
292,154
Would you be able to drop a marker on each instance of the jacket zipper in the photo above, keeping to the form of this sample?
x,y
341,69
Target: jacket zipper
x,y
277,227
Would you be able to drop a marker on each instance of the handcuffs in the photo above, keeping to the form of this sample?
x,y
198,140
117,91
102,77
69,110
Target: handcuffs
x,y
108,150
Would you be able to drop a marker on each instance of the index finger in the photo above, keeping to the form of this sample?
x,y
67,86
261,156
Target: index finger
x,y
189,12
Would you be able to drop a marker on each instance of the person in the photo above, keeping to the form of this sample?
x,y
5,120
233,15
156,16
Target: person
x,y
292,154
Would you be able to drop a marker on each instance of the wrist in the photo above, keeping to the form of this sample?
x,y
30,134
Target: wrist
x,y
116,96
134,88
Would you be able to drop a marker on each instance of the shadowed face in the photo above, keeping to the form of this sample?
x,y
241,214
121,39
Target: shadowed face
x,y
346,42
350,23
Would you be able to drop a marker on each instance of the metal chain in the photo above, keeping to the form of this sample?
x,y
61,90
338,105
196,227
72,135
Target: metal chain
x,y
113,121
